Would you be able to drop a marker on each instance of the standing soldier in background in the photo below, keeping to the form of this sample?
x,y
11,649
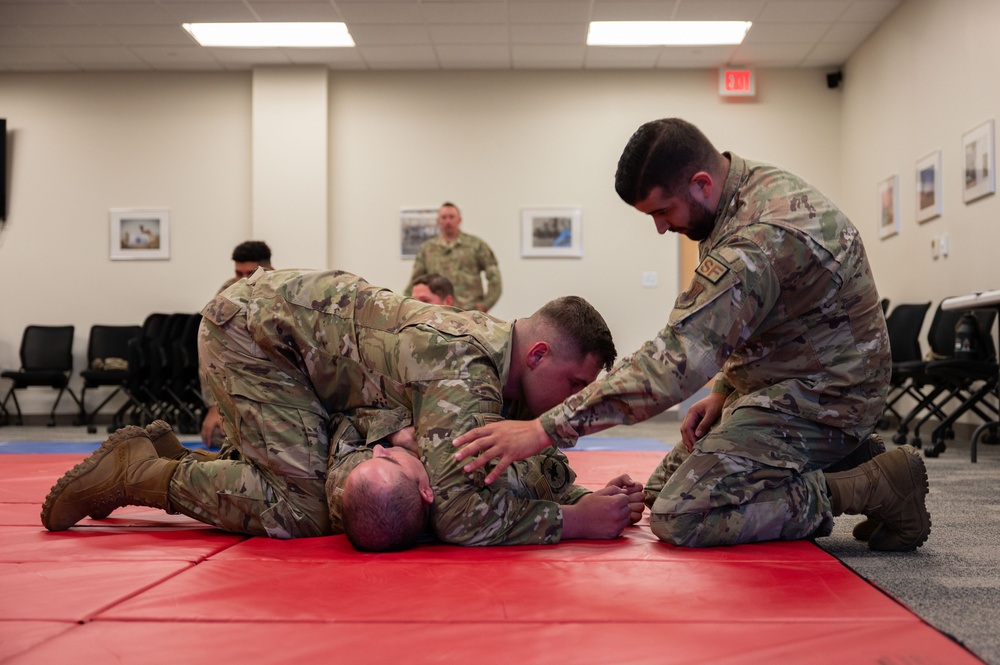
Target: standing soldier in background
x,y
461,258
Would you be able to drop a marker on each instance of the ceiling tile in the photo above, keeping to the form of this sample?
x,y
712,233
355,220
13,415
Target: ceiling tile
x,y
465,12
389,35
380,12
853,33
33,59
614,10
209,12
474,57
638,57
545,57
549,12
785,33
423,55
295,11
152,35
771,55
134,13
865,11
101,57
689,57
38,13
469,34
173,57
718,10
804,11
52,35
549,33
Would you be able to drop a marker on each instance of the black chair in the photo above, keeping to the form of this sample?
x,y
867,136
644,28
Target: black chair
x,y
107,344
140,407
904,325
968,381
46,360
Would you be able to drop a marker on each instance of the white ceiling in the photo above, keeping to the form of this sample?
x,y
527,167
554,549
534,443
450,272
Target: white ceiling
x,y
103,35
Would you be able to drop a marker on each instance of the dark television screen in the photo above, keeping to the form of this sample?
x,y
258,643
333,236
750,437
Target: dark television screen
x,y
3,169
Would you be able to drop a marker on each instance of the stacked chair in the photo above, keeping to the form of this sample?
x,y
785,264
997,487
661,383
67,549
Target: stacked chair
x,y
162,381
945,387
904,325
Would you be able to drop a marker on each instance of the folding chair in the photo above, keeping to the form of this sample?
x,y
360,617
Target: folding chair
x,y
106,345
46,360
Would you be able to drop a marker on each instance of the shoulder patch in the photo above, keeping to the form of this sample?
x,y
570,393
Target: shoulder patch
x,y
712,269
688,298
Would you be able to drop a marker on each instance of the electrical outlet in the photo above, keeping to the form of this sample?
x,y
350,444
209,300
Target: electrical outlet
x,y
649,280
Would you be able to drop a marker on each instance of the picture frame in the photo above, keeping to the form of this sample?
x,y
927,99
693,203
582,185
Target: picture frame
x,y
551,233
929,187
139,234
888,206
416,226
979,162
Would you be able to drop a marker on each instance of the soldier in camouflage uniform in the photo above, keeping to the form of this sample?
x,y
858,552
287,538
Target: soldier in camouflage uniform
x,y
783,302
461,258
289,355
521,507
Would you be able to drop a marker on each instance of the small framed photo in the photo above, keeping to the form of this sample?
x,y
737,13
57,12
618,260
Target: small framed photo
x,y
888,206
139,234
416,225
980,177
551,232
929,187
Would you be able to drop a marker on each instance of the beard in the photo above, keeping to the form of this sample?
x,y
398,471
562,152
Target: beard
x,y
701,220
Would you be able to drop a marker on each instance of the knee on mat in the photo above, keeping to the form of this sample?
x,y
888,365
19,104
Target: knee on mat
x,y
683,530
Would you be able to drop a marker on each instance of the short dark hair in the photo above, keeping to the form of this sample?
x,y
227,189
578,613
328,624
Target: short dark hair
x,y
449,204
663,153
252,250
386,521
438,284
580,325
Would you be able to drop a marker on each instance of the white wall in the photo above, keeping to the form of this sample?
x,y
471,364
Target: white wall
x,y
84,143
492,142
927,76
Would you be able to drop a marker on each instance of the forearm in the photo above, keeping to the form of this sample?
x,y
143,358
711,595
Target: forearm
x,y
494,287
658,376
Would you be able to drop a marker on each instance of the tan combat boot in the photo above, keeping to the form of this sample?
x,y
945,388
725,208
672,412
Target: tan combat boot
x,y
890,489
167,446
124,471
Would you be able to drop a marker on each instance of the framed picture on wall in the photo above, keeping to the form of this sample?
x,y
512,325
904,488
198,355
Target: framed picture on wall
x,y
416,225
977,149
139,234
551,232
888,206
929,187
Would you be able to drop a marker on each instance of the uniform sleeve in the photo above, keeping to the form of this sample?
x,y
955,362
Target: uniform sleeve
x,y
731,293
488,264
419,268
465,510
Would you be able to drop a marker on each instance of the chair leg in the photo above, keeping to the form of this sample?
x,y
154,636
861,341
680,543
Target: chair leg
x,y
10,393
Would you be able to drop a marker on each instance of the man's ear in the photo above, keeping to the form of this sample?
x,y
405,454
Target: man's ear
x,y
537,351
448,301
427,494
701,186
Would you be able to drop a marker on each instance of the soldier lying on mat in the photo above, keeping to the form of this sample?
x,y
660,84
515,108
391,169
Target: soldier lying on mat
x,y
285,352
383,497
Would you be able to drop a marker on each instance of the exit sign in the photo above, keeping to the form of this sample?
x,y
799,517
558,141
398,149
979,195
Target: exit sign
x,y
737,83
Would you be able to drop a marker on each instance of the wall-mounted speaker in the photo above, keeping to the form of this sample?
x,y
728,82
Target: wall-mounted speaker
x,y
833,80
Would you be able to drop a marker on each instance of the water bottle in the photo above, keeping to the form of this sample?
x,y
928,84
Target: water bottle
x,y
967,339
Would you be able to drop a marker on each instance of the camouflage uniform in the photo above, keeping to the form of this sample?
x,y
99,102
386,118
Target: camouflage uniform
x,y
290,355
784,303
492,514
461,261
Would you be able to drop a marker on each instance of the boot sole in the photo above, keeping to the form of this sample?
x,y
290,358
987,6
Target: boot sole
x,y
83,468
918,475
